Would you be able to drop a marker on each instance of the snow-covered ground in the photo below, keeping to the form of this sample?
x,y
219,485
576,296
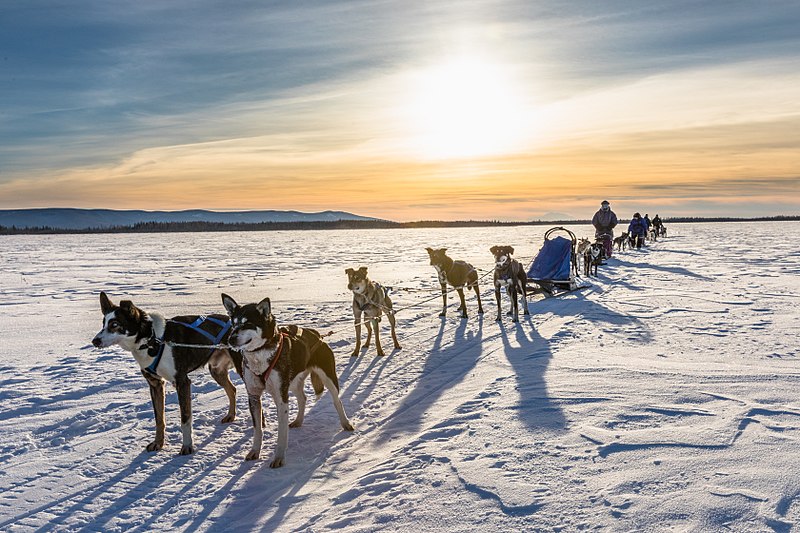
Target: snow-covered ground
x,y
664,397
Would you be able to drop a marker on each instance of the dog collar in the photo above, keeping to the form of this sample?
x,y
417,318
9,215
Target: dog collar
x,y
265,376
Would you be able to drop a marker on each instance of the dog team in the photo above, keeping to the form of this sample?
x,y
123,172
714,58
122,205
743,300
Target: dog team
x,y
268,357
278,359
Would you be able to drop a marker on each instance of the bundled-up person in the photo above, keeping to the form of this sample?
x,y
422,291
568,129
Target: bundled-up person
x,y
657,224
604,222
637,229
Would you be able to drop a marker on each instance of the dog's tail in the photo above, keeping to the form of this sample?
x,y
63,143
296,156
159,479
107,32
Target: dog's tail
x,y
316,382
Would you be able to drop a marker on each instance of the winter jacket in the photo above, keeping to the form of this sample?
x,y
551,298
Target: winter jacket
x,y
637,227
604,222
647,222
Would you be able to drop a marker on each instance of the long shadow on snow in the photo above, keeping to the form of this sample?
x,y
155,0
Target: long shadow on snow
x,y
445,366
672,270
132,495
530,359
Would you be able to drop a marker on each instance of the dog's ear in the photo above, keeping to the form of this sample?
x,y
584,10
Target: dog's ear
x,y
349,271
106,305
493,249
130,309
430,251
264,307
510,249
230,304
363,269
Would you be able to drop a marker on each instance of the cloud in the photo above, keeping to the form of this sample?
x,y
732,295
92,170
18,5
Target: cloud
x,y
300,104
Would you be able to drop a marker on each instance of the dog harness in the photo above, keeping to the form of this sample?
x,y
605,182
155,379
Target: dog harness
x,y
506,273
156,345
368,302
265,376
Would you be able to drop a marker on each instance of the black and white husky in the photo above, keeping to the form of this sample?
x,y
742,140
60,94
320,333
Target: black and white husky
x,y
150,338
279,360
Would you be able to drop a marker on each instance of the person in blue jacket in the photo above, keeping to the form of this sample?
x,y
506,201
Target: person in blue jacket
x,y
637,229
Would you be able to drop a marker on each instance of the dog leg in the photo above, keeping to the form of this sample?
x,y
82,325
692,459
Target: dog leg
x,y
283,431
523,292
256,413
184,387
497,298
512,292
157,395
478,294
460,292
334,392
444,301
376,327
369,333
357,318
393,323
220,375
299,381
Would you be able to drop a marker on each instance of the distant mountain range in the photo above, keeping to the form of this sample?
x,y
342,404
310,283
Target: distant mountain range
x,y
66,218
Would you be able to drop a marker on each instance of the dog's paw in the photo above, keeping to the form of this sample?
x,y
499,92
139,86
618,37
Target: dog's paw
x,y
480,311
277,462
354,354
499,318
348,427
397,346
515,319
154,446
187,450
227,419
296,424
442,315
381,353
253,455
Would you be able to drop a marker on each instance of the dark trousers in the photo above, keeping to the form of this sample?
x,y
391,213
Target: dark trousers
x,y
638,240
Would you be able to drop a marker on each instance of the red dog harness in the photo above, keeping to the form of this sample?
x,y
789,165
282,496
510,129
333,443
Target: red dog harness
x,y
278,350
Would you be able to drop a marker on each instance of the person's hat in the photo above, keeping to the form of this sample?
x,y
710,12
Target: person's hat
x,y
604,202
637,215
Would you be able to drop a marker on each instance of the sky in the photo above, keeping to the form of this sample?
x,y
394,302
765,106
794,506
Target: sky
x,y
404,110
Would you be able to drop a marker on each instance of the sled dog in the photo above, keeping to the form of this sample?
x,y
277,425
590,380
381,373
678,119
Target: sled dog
x,y
370,299
459,274
508,273
280,360
150,338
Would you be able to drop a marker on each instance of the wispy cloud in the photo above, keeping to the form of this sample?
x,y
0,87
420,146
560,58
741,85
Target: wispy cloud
x,y
304,105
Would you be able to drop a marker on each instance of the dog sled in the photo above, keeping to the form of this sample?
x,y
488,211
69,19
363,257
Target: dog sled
x,y
554,270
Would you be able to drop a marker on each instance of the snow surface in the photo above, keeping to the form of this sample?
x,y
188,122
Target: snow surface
x,y
664,397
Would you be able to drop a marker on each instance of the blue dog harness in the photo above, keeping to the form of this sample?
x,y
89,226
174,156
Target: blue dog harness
x,y
158,350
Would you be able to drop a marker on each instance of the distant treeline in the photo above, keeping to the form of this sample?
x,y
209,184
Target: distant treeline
x,y
173,227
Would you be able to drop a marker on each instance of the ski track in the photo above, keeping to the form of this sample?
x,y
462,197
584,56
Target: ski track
x,y
662,397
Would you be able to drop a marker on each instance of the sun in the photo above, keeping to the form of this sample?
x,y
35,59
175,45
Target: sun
x,y
465,108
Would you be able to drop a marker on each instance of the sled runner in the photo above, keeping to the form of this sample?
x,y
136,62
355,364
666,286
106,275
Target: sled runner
x,y
554,270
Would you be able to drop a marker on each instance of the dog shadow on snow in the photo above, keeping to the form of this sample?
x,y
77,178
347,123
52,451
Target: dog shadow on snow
x,y
529,355
134,495
448,360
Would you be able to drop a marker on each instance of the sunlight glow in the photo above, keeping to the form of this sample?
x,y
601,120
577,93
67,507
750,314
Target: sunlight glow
x,y
465,108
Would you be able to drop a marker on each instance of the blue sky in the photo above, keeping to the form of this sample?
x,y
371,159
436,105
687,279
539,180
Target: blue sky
x,y
162,98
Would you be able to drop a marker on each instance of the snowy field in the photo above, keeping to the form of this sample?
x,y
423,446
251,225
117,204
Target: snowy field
x,y
665,397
